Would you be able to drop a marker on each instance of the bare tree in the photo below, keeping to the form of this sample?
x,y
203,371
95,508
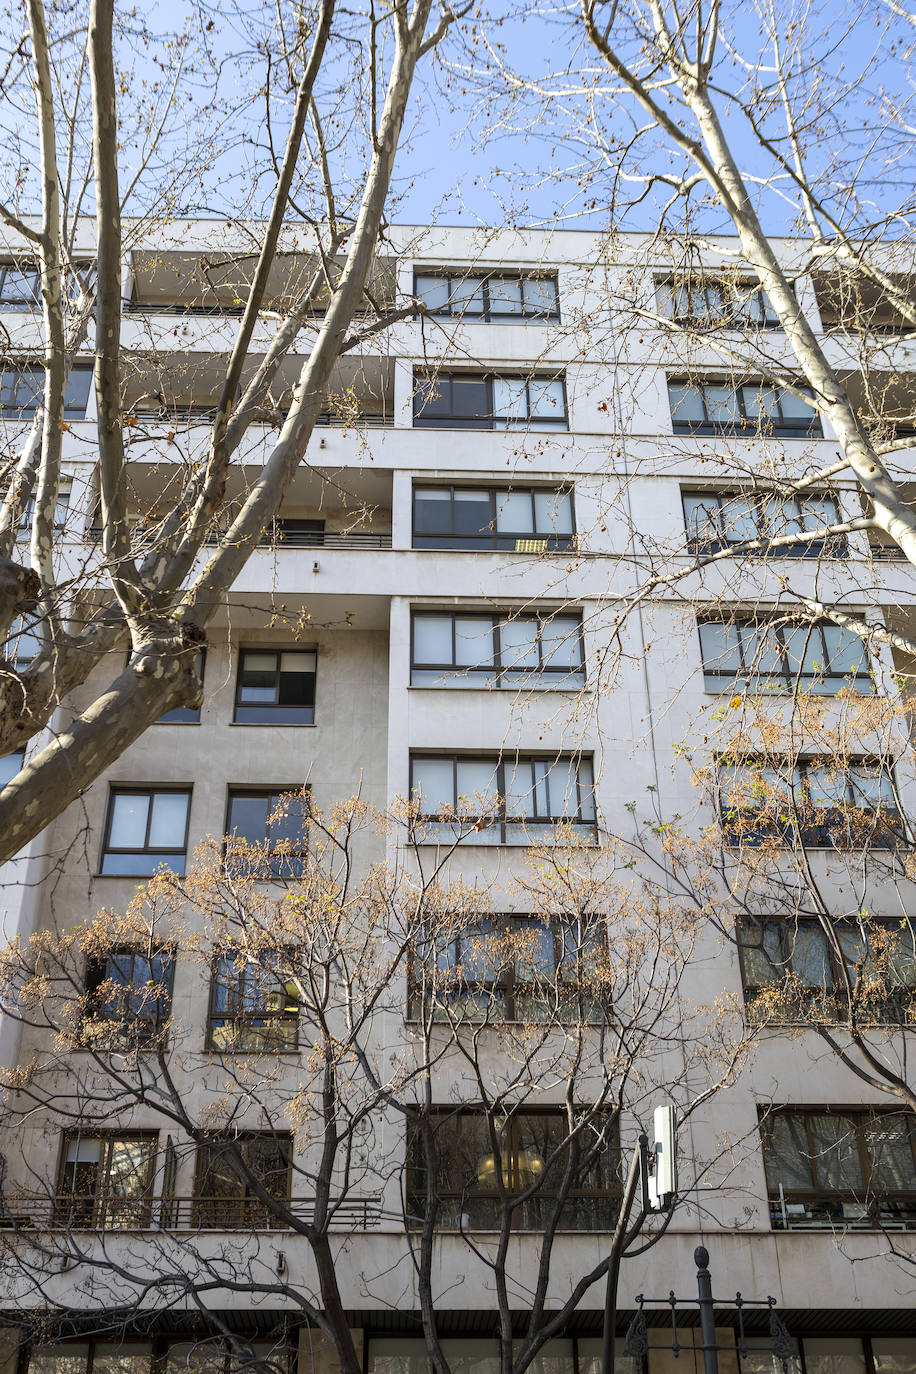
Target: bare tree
x,y
326,172
378,1048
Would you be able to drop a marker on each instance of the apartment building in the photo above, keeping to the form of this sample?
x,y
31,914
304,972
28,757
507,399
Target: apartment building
x,y
436,614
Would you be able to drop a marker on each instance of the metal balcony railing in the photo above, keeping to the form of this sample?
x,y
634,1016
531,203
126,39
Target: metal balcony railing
x,y
205,415
45,1211
302,539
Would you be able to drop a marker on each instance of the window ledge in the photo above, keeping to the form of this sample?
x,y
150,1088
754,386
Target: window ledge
x,y
498,691
270,725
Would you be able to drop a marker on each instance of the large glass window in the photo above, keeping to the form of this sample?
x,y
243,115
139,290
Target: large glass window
x,y
128,997
267,829
482,400
147,829
20,286
792,971
22,389
106,1181
805,657
749,410
464,649
511,800
492,296
253,1005
510,968
716,303
276,687
813,802
202,1356
61,510
480,1355
716,520
518,520
226,1197
829,1168
521,1155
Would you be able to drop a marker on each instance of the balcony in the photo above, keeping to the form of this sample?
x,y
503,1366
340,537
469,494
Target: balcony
x,y
294,539
107,1213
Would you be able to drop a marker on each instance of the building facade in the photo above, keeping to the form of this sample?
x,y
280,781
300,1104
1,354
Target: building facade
x,y
437,615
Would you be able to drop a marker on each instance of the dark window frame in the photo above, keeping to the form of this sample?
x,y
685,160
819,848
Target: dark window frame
x,y
276,791
496,669
92,1212
745,289
486,314
245,1210
833,546
488,421
499,763
130,1025
788,680
814,833
278,651
248,1017
745,427
488,541
506,984
70,411
488,1195
824,1196
148,790
816,1002
159,1350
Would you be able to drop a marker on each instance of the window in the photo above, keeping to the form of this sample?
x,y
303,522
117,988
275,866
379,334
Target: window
x,y
750,410
106,1181
267,832
791,971
147,829
525,1150
225,1199
187,715
716,520
128,997
252,1005
813,802
403,1354
22,389
20,286
10,765
494,296
820,657
23,644
510,968
716,303
480,400
276,687
61,509
834,1355
297,533
452,649
829,1168
160,1356
522,520
514,800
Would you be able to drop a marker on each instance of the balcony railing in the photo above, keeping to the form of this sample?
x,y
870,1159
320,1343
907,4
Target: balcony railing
x,y
300,539
205,415
841,1211
44,1211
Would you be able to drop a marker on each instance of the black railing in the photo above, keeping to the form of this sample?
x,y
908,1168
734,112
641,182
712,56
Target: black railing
x,y
44,1211
205,415
841,1211
302,539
